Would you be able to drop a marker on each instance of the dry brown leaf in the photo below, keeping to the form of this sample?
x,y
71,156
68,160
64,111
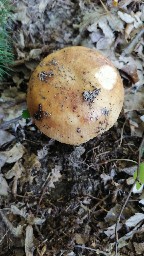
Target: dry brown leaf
x,y
79,239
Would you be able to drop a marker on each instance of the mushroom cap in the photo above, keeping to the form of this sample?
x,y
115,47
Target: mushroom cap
x,y
75,94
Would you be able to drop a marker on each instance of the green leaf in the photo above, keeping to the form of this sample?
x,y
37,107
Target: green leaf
x,y
25,114
141,176
138,185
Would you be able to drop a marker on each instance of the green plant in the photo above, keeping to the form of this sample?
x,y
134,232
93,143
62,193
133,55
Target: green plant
x,y
139,176
25,114
6,53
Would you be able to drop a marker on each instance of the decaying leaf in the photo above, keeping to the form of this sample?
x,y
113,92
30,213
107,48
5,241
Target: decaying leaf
x,y
31,162
110,232
134,220
15,172
126,237
79,239
32,220
125,17
54,176
43,4
134,101
15,153
29,245
35,53
16,211
42,152
3,186
130,170
139,248
105,178
22,14
17,232
5,137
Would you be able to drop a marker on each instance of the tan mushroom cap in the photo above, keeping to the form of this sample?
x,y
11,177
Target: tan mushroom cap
x,y
75,94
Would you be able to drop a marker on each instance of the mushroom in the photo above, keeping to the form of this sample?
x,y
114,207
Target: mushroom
x,y
75,94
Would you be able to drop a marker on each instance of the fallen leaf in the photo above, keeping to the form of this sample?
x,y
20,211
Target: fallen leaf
x,y
130,170
18,212
15,172
134,100
22,14
141,201
79,239
5,137
134,220
110,231
3,186
32,220
125,17
139,248
105,178
42,5
15,153
29,245
35,53
3,159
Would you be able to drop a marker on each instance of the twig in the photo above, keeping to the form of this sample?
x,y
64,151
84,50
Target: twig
x,y
118,219
127,199
122,132
6,124
91,249
104,6
4,236
44,186
118,159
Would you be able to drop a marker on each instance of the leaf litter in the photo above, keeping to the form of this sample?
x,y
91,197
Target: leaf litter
x,y
58,199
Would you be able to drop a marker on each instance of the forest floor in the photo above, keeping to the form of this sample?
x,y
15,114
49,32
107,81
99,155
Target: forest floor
x,y
58,199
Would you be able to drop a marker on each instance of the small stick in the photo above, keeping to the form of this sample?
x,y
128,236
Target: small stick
x,y
127,199
91,249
